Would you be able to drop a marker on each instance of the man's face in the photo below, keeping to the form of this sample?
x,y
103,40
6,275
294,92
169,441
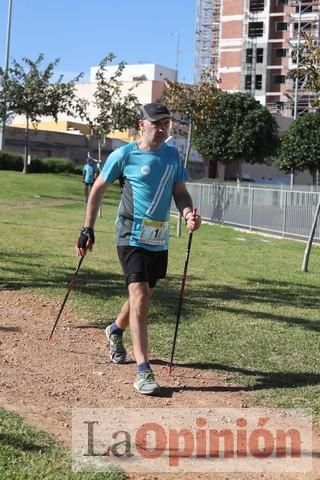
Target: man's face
x,y
155,133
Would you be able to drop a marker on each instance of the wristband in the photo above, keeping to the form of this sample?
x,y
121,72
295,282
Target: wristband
x,y
85,234
88,231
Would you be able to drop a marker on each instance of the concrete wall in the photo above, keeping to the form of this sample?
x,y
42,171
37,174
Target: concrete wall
x,y
44,144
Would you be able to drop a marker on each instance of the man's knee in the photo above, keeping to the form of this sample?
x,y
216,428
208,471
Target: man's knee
x,y
139,291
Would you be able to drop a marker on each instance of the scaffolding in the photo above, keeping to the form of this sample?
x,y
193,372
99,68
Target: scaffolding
x,y
207,36
303,17
299,16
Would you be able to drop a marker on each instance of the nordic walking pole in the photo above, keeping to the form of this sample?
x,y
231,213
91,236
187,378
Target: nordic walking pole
x,y
184,277
70,287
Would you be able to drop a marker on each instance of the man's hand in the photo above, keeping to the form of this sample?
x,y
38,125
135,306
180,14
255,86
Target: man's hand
x,y
193,221
85,241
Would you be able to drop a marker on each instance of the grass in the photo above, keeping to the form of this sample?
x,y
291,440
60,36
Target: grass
x,y
28,454
248,310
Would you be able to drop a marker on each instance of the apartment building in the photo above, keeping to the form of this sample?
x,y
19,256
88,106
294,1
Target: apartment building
x,y
252,46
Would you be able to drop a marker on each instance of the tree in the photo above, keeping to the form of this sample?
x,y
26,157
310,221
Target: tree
x,y
194,104
300,150
113,110
239,129
300,146
28,91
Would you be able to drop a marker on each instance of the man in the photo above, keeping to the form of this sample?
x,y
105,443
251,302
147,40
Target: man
x,y
89,172
150,173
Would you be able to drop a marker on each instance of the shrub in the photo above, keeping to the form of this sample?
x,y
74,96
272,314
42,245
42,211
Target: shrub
x,y
37,166
11,161
57,165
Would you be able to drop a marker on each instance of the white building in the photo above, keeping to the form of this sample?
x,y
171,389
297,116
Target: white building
x,y
138,71
147,82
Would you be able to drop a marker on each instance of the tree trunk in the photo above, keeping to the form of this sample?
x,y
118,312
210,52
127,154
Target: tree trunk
x,y
212,168
26,148
304,267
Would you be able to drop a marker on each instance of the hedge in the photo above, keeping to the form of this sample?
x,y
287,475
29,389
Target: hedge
x,y
12,161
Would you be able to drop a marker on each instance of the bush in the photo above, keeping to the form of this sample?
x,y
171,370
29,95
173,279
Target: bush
x,y
11,161
57,165
37,166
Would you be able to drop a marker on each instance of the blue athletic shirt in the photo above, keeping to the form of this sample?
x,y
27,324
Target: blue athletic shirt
x,y
147,179
89,172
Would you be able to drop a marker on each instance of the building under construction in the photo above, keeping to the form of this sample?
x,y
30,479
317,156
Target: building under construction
x,y
253,44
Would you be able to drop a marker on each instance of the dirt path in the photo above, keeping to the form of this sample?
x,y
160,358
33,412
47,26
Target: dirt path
x,y
42,381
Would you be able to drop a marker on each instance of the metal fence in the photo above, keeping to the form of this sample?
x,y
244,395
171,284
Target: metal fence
x,y
288,213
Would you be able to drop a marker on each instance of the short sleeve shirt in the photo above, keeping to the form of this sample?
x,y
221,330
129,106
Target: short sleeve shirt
x,y
148,179
89,172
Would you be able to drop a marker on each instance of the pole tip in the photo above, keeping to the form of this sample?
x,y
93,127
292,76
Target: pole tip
x,y
49,338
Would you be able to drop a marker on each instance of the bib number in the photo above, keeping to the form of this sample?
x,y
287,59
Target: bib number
x,y
153,232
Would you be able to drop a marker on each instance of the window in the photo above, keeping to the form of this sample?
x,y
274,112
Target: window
x,y
304,26
281,52
247,82
258,82
304,9
301,82
294,55
255,29
259,55
282,2
256,5
278,79
281,26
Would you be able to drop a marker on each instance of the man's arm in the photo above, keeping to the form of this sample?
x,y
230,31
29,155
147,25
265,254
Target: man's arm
x,y
94,201
182,199
184,204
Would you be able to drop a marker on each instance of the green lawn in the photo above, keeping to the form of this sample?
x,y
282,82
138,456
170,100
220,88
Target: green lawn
x,y
28,454
248,309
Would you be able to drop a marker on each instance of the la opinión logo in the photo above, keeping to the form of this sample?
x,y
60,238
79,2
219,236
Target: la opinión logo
x,y
155,439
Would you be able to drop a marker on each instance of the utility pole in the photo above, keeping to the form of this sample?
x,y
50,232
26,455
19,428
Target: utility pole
x,y
6,66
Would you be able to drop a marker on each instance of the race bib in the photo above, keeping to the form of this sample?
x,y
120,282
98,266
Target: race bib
x,y
153,232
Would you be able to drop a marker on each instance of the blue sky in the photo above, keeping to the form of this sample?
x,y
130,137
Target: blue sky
x,y
82,32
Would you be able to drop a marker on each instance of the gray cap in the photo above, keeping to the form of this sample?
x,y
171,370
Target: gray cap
x,y
154,112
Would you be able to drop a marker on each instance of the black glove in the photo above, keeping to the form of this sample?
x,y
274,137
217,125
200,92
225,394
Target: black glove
x,y
85,234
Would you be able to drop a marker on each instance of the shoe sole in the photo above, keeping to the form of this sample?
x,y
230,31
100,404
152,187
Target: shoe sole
x,y
116,362
155,392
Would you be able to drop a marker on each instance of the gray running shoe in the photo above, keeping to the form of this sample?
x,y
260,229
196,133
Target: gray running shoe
x,y
118,353
145,383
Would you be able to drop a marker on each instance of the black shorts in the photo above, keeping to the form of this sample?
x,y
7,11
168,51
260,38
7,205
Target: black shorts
x,y
141,265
